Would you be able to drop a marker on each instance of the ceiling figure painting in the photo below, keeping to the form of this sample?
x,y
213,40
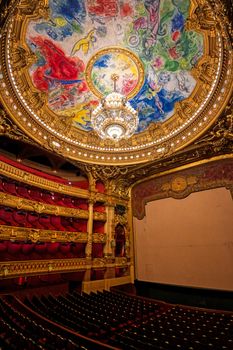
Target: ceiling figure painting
x,y
171,60
154,31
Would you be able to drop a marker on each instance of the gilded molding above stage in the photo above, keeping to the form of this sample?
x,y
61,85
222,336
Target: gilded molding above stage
x,y
37,235
28,106
179,184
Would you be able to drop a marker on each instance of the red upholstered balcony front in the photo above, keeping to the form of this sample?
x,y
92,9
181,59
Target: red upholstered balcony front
x,y
6,215
33,219
10,187
68,202
47,197
44,220
21,218
68,224
35,194
23,191
56,222
57,199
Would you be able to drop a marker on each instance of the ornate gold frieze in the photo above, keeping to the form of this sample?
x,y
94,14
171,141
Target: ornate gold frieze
x,y
37,235
179,184
30,205
37,181
99,238
38,267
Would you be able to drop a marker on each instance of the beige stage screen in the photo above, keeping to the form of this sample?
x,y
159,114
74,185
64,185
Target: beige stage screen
x,y
187,242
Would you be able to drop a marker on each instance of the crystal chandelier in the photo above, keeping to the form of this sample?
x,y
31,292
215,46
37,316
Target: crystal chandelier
x,y
114,118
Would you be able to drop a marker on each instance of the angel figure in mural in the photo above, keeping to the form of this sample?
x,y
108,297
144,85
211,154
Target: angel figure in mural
x,y
84,44
152,7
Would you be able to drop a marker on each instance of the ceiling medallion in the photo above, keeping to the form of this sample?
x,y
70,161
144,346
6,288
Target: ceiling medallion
x,y
114,118
56,65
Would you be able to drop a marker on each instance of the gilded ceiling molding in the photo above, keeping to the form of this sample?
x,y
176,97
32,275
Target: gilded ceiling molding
x,y
215,144
36,235
40,267
179,184
29,108
10,129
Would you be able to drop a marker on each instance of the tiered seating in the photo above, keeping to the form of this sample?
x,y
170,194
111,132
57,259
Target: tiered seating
x,y
133,323
19,331
179,328
23,218
20,250
96,315
40,195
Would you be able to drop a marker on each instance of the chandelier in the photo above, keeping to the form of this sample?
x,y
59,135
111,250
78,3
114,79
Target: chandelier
x,y
114,118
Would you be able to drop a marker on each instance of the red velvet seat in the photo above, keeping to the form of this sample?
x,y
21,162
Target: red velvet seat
x,y
41,247
57,199
10,188
7,216
44,220
64,248
80,225
52,247
35,194
21,218
78,250
33,219
3,220
68,202
14,247
47,197
23,191
80,203
56,222
68,224
27,248
3,246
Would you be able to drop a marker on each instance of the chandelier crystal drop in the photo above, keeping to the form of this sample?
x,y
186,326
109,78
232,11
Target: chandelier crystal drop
x,y
114,118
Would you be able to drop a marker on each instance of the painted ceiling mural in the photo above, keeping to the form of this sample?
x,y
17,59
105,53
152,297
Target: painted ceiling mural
x,y
82,43
59,58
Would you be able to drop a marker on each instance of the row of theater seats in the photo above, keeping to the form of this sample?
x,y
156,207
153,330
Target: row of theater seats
x,y
179,328
23,218
131,323
18,332
43,196
40,195
96,315
42,250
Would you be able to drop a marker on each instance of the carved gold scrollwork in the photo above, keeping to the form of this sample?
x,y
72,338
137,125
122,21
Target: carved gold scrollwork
x,y
35,235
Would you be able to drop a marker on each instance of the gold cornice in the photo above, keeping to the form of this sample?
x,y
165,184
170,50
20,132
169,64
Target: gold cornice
x,y
38,267
205,20
37,235
41,267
